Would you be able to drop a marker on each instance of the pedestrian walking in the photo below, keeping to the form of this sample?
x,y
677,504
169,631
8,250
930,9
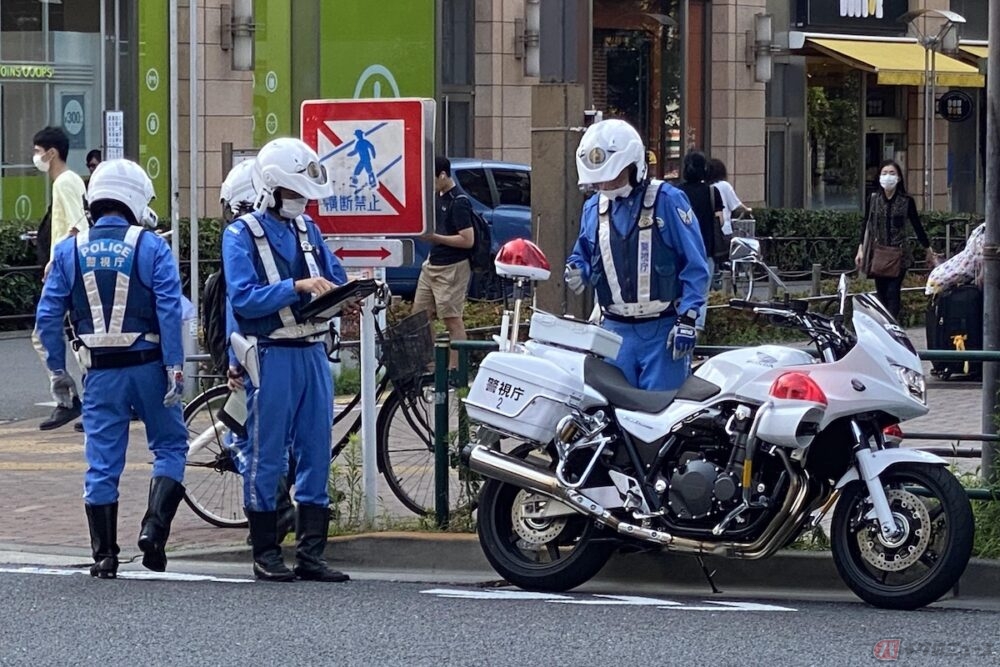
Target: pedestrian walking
x,y
444,277
731,203
275,261
884,251
120,285
706,202
65,217
641,248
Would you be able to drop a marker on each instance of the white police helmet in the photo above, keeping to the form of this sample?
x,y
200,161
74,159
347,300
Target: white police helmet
x,y
288,163
606,149
238,187
124,182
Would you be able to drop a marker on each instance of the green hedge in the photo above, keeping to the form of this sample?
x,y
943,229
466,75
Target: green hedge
x,y
795,239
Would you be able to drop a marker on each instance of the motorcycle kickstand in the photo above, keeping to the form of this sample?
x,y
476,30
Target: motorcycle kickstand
x,y
708,575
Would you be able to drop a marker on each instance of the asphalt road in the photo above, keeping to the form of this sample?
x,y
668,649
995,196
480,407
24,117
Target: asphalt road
x,y
63,617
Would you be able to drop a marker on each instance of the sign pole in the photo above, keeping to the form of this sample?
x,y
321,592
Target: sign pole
x,y
991,247
368,410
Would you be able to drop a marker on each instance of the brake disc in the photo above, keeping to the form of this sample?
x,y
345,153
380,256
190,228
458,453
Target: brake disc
x,y
914,519
535,531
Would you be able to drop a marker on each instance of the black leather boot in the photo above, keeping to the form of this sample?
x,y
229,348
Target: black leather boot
x,y
165,494
267,562
103,522
286,510
313,526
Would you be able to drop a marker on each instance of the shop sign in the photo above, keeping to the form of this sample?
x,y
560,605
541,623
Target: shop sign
x,y
955,106
23,71
852,16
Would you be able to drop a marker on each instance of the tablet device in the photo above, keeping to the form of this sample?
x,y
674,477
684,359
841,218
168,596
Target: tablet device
x,y
328,305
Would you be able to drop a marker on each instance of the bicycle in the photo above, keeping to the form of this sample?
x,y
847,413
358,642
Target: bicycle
x,y
404,434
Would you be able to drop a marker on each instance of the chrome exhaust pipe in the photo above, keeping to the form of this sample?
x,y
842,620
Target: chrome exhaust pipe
x,y
505,468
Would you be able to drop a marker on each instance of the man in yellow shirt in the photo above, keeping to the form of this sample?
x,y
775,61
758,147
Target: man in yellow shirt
x,y
68,217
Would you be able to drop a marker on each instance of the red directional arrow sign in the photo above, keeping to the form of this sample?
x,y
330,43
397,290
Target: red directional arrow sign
x,y
379,155
379,253
370,253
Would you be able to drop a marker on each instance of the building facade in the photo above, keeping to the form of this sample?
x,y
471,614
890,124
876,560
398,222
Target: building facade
x,y
801,113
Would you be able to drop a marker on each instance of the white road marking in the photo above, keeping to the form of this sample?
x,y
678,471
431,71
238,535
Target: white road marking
x,y
125,574
598,600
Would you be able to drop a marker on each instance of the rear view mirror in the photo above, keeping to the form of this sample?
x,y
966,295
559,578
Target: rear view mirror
x,y
744,250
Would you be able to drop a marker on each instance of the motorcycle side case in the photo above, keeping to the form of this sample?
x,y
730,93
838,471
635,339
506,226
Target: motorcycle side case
x,y
522,395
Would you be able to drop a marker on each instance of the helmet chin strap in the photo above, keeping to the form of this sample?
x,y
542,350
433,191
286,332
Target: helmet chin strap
x,y
265,200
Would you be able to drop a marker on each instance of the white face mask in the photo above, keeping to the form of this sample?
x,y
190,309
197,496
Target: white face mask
x,y
888,181
293,208
41,164
623,191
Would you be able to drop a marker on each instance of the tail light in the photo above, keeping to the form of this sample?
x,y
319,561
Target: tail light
x,y
798,387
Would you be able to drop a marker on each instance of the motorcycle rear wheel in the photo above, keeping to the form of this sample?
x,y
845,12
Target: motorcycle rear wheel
x,y
559,553
922,565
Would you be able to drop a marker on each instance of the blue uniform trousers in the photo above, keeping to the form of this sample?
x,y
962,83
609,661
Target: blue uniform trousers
x,y
292,409
109,396
644,357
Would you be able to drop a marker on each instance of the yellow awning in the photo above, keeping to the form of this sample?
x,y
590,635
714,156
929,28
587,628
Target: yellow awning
x,y
899,63
975,51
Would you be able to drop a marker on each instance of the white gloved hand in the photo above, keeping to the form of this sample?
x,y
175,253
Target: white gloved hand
x,y
573,275
62,386
175,386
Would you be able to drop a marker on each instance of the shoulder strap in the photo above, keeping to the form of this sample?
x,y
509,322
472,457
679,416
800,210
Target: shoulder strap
x,y
267,259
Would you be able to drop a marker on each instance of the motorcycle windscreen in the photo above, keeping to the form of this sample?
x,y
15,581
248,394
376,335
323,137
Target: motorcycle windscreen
x,y
873,308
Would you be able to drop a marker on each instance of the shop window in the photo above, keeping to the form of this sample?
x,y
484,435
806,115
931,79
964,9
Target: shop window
x,y
834,122
881,102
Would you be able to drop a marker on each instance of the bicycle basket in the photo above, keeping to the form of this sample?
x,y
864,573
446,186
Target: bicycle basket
x,y
408,348
745,227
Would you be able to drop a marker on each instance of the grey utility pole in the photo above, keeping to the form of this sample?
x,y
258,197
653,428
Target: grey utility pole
x,y
991,256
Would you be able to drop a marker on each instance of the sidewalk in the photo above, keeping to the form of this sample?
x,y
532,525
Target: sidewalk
x,y
41,493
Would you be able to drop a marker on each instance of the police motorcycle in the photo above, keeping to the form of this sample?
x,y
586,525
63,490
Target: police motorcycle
x,y
757,446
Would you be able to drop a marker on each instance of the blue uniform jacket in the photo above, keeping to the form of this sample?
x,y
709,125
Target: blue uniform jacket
x,y
247,289
678,228
156,269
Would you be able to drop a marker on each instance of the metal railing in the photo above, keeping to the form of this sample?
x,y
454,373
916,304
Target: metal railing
x,y
442,457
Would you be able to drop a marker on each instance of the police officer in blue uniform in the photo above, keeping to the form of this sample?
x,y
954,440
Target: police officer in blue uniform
x,y
275,261
641,249
119,282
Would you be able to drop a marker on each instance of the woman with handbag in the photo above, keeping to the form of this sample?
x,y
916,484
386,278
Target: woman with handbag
x,y
884,251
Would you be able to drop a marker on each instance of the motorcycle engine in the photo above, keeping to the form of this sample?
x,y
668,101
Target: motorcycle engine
x,y
700,488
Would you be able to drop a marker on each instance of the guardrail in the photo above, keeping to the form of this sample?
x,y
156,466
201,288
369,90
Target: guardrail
x,y
442,347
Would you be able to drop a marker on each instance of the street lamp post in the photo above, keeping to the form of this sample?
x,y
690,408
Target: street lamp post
x,y
945,39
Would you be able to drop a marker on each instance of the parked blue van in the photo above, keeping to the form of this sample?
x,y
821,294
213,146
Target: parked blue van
x,y
500,191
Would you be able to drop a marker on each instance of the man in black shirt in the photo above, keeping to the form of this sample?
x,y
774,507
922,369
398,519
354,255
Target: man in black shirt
x,y
444,276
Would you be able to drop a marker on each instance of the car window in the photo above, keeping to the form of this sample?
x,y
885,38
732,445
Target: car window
x,y
513,186
474,182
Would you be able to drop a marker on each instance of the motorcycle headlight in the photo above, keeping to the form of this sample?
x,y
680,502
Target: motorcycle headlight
x,y
913,381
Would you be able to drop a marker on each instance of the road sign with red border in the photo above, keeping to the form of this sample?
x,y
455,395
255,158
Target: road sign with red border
x,y
379,154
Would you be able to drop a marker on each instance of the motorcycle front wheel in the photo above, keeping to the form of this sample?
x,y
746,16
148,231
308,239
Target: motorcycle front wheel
x,y
913,570
538,554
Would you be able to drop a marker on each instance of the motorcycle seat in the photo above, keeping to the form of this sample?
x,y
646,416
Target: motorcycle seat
x,y
612,384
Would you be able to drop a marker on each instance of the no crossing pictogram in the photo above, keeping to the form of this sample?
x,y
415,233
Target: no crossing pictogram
x,y
378,154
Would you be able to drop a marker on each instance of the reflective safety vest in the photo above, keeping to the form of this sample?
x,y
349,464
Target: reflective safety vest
x,y
285,324
636,274
111,307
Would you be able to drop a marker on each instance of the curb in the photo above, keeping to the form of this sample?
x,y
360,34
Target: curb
x,y
435,553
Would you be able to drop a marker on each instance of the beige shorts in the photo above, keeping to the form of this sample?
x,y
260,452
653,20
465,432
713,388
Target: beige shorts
x,y
441,290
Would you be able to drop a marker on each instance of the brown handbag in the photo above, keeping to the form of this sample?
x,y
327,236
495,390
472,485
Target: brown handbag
x,y
887,261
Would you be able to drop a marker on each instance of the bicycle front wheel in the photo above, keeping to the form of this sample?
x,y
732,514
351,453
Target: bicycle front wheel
x,y
405,450
213,486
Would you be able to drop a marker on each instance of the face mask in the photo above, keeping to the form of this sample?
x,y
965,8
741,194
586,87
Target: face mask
x,y
292,208
888,180
623,191
40,164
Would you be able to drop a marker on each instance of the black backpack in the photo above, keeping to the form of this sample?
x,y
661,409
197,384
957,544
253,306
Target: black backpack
x,y
213,317
481,252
